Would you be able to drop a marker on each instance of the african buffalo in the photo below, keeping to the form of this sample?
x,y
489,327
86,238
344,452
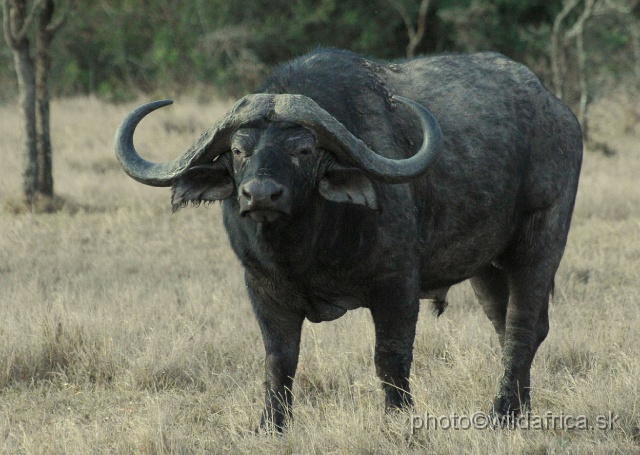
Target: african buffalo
x,y
329,208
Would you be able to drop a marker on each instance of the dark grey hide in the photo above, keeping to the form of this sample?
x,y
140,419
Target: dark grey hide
x,y
318,233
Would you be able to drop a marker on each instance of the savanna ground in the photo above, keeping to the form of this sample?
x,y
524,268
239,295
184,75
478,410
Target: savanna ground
x,y
126,329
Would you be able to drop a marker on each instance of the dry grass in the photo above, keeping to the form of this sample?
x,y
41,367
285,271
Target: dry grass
x,y
126,329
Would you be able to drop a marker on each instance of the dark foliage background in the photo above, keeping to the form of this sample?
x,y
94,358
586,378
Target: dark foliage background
x,y
118,48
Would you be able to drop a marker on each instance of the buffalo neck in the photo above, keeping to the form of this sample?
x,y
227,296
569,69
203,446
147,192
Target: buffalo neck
x,y
319,236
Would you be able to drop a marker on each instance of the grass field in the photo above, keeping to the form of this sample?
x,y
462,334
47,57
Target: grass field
x,y
125,329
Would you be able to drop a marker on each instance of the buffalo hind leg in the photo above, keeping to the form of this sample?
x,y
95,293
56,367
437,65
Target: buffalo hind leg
x,y
395,315
530,265
281,336
492,290
526,327
539,335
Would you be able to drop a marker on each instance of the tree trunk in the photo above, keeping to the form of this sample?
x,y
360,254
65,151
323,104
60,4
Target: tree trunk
x,y
417,32
43,67
557,47
583,114
15,20
26,85
33,89
634,29
416,37
577,32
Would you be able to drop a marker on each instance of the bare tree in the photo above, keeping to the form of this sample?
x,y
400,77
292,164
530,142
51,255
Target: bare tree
x,y
629,10
560,41
558,51
47,28
33,74
577,32
16,23
562,38
414,31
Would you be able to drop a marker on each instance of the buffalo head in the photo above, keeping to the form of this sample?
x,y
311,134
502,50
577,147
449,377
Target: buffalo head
x,y
272,152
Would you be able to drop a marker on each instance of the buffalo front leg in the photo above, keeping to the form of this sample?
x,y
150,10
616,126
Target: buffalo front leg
x,y
281,332
395,314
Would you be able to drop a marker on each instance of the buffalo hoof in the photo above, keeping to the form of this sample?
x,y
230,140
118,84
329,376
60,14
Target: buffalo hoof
x,y
269,431
276,425
505,412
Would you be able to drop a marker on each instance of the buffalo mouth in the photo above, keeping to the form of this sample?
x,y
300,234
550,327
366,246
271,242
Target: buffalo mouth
x,y
263,215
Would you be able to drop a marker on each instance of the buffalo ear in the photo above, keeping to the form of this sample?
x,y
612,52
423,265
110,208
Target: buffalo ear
x,y
348,184
210,182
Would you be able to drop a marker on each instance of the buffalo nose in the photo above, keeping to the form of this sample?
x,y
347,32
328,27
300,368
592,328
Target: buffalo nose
x,y
259,195
262,191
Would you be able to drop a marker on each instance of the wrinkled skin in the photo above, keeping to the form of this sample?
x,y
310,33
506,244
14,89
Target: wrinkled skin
x,y
318,238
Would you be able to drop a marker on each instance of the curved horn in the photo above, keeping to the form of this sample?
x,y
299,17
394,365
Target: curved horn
x,y
336,137
161,174
213,142
269,107
136,167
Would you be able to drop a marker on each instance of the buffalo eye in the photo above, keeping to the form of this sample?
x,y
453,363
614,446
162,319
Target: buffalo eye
x,y
302,152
